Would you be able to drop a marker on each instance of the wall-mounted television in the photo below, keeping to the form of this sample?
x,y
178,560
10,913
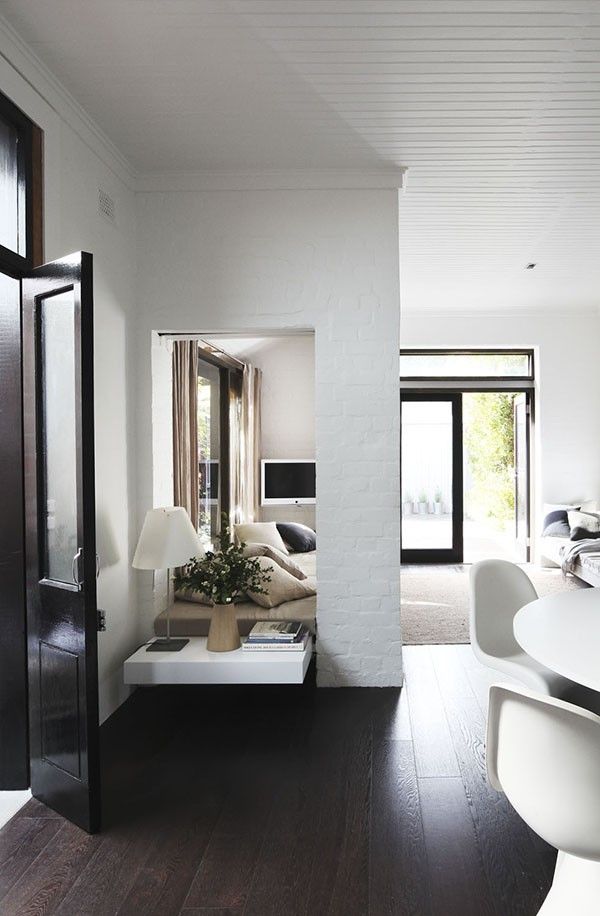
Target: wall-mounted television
x,y
288,481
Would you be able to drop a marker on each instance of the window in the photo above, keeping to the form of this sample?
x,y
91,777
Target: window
x,y
466,364
20,219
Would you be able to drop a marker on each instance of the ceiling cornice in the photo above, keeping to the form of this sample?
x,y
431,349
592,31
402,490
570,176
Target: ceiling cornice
x,y
34,71
273,180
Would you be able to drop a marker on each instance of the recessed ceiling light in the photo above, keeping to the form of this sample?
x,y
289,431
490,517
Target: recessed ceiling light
x,y
530,266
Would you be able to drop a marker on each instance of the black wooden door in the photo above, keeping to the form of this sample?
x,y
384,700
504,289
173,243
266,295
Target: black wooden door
x,y
58,394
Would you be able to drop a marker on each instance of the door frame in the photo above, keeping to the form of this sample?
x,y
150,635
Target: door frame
x,y
14,723
468,386
453,554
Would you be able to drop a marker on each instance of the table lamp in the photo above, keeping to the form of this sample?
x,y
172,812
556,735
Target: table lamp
x,y
168,539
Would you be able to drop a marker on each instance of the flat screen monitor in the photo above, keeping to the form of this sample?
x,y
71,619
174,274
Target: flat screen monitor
x,y
288,481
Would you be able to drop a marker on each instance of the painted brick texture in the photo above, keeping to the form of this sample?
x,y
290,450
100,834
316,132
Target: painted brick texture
x,y
328,260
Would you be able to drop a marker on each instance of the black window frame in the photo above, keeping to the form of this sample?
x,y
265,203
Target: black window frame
x,y
11,262
476,351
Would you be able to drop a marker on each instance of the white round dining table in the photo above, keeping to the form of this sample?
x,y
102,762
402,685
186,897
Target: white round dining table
x,y
562,631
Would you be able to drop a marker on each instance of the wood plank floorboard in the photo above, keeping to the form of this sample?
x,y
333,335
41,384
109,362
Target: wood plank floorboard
x,y
277,801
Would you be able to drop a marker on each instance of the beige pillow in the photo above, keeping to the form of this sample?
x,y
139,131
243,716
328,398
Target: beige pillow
x,y
282,587
286,562
589,521
260,533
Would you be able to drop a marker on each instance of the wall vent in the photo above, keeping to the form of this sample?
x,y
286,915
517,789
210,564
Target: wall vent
x,y
106,205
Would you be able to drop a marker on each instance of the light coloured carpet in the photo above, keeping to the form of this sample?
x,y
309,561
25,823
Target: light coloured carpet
x,y
435,600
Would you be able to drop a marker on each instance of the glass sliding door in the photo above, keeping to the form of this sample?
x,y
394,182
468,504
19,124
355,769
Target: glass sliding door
x,y
431,477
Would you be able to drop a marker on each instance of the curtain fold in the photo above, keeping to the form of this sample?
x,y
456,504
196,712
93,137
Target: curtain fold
x,y
246,497
185,427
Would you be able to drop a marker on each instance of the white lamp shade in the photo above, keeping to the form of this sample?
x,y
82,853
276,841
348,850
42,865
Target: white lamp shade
x,y
168,539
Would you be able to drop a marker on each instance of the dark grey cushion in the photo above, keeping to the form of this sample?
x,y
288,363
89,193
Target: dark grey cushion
x,y
557,529
557,515
299,538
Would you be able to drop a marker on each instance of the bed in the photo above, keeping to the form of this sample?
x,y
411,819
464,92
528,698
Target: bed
x,y
191,619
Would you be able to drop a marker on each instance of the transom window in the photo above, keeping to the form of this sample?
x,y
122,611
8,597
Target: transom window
x,y
426,364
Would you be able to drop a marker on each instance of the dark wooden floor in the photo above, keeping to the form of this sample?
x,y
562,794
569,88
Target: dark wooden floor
x,y
258,801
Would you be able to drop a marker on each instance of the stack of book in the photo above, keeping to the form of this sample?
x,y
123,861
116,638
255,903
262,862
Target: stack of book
x,y
278,635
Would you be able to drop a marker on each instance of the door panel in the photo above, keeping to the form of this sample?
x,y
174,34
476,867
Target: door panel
x,y
431,472
60,537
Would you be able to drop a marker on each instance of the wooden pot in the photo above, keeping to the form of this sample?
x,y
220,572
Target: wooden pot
x,y
223,635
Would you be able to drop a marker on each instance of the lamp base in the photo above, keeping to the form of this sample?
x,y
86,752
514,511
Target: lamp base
x,y
167,645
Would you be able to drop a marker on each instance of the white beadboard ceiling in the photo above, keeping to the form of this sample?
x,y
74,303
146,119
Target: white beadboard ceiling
x,y
493,105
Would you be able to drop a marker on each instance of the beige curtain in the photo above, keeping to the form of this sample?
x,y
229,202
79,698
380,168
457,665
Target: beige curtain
x,y
185,426
245,476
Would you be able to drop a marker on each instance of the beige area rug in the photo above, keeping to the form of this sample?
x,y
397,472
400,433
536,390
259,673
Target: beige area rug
x,y
435,600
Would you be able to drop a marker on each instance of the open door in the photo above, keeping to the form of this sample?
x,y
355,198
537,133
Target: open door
x,y
521,434
58,396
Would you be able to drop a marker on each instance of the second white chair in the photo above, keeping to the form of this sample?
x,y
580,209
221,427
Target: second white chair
x,y
545,755
498,589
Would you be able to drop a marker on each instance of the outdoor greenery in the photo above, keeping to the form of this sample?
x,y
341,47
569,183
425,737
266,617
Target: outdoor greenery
x,y
223,576
489,444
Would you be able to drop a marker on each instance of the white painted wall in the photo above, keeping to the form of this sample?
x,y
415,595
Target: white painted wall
x,y
287,363
287,410
567,420
78,161
273,260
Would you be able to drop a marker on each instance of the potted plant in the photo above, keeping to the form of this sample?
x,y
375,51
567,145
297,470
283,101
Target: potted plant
x,y
407,504
223,577
422,503
437,502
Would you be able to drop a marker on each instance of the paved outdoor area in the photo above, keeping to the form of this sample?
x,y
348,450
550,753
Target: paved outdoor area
x,y
482,539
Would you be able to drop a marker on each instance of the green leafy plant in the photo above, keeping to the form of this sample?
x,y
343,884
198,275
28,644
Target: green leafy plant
x,y
422,496
437,496
225,575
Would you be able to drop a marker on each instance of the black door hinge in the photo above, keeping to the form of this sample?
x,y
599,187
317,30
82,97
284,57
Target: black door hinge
x,y
101,621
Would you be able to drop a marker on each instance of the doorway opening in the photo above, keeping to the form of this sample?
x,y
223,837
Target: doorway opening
x,y
465,476
466,442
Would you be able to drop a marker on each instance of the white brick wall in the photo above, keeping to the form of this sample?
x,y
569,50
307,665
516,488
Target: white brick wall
x,y
246,261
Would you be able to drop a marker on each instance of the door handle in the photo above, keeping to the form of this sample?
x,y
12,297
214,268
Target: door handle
x,y
75,568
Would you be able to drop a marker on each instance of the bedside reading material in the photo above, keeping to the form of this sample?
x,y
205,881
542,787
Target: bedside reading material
x,y
279,636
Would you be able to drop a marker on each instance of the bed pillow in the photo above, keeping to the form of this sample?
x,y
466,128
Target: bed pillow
x,y
282,587
556,524
300,538
282,559
557,529
586,522
580,534
260,533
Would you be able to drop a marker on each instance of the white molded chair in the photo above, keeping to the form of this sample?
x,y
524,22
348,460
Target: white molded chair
x,y
545,755
498,589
